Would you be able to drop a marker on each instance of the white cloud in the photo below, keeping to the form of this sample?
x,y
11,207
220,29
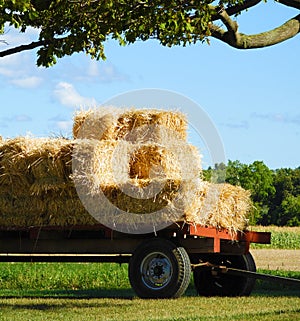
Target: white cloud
x,y
8,66
64,125
17,70
242,124
67,95
93,69
278,117
21,118
109,73
27,82
14,37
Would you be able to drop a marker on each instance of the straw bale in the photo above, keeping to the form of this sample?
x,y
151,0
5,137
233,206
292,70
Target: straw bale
x,y
12,160
153,161
151,121
138,203
114,124
95,123
157,161
67,212
94,162
221,206
21,211
105,162
35,164
148,196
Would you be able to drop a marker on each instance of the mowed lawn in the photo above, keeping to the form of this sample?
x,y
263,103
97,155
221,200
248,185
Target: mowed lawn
x,y
62,291
186,308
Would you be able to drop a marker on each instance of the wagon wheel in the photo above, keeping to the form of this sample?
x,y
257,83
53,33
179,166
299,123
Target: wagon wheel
x,y
159,269
208,284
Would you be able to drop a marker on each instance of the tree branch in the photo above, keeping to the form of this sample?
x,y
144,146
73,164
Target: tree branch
x,y
4,41
290,3
17,49
230,24
240,7
242,41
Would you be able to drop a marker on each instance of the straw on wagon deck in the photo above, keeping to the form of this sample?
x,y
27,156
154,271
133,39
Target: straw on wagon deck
x,y
220,206
46,167
43,167
153,203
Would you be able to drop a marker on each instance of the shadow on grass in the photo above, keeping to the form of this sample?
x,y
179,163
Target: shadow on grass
x,y
59,302
262,288
69,294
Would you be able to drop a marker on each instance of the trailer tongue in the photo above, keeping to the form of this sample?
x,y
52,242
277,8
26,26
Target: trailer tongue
x,y
218,270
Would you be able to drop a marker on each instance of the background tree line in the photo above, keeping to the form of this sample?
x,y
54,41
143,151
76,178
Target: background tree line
x,y
275,193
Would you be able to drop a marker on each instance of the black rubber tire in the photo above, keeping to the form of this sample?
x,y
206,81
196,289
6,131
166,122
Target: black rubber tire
x,y
159,269
208,284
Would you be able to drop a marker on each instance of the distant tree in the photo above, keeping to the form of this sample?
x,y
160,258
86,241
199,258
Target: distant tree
x,y
235,171
69,26
275,193
257,178
289,211
283,183
216,174
283,209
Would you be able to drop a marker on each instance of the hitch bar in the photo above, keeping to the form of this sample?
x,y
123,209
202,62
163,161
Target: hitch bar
x,y
217,269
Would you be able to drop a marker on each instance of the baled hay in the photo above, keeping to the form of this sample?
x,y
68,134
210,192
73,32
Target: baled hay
x,y
150,121
137,203
95,123
14,167
153,161
21,211
223,206
105,162
94,161
12,158
35,164
16,185
156,161
142,196
113,124
67,212
36,211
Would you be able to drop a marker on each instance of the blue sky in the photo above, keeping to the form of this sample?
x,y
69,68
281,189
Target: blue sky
x,y
251,97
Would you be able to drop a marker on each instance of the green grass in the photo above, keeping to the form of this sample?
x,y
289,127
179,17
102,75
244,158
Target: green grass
x,y
63,276
89,280
101,291
281,237
261,307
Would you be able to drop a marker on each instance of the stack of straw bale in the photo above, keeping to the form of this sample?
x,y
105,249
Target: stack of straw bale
x,y
35,184
135,161
220,206
117,151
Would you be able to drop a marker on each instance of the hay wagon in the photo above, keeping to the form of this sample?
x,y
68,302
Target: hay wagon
x,y
160,265
42,218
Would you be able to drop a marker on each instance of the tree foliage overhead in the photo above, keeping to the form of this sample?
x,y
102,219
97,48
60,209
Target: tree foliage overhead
x,y
69,26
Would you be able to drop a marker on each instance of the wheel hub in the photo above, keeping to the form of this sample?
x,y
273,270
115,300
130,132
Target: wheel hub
x,y
156,270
